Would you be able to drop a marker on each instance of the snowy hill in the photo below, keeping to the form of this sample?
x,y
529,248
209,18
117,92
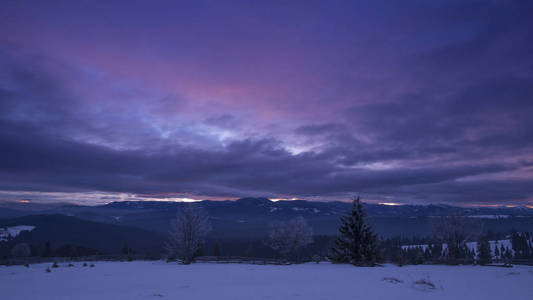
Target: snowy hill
x,y
13,231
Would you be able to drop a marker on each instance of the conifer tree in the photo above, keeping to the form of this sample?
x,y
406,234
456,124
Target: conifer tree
x,y
497,251
356,243
436,251
508,254
484,254
125,249
217,249
47,249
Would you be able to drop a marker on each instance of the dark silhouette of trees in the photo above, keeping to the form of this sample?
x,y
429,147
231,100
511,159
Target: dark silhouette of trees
x,y
455,231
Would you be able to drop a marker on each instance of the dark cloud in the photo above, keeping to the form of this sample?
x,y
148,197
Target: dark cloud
x,y
418,102
38,162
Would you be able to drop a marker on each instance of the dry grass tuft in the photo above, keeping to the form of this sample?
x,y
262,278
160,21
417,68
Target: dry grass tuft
x,y
392,280
425,282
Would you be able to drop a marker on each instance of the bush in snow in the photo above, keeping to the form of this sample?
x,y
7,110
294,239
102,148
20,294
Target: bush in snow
x,y
21,250
392,280
317,258
187,232
425,282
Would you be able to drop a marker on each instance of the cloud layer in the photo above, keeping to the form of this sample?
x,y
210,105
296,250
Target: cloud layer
x,y
416,102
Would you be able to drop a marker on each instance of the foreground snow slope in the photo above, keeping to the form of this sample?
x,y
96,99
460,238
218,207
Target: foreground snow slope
x,y
155,280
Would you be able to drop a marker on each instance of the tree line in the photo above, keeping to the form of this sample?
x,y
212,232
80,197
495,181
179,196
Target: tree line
x,y
356,242
293,241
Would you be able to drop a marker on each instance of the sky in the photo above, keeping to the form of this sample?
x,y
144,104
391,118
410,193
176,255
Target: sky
x,y
413,102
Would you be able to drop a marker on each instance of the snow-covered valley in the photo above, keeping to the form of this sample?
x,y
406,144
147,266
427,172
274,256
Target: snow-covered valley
x,y
161,280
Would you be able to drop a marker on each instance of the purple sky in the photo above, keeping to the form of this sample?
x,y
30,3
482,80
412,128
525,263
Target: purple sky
x,y
398,101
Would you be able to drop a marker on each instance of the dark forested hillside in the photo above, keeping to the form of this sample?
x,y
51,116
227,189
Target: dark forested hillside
x,y
60,230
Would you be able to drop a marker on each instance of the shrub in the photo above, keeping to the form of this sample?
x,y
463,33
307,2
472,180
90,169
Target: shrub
x,y
399,261
316,258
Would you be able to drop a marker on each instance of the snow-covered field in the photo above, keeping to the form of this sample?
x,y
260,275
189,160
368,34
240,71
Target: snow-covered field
x,y
160,280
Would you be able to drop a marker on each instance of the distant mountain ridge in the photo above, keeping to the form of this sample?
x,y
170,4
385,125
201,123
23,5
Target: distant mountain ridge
x,y
408,210
381,210
249,218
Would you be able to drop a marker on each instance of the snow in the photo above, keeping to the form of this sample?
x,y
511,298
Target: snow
x,y
13,231
489,216
154,280
423,246
314,210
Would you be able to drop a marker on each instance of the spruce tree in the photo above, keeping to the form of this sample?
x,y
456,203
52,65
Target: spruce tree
x,y
217,249
497,251
484,254
356,243
47,249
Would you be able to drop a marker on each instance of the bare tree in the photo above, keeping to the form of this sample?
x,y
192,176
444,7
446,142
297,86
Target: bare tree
x,y
288,237
187,232
455,231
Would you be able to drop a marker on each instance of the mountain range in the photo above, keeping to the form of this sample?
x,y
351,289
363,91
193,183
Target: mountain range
x,y
243,219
